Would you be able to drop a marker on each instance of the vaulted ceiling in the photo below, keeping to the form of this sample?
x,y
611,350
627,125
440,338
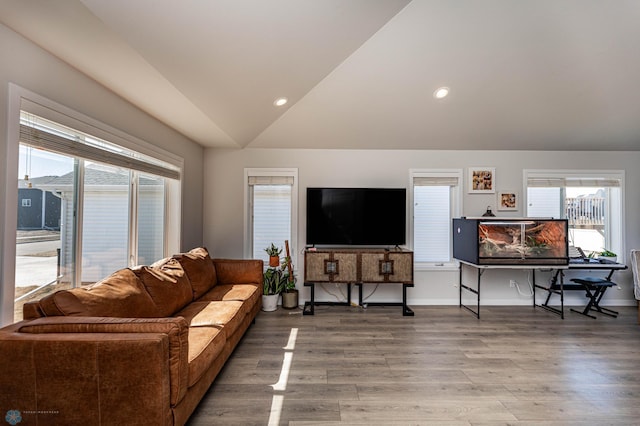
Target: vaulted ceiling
x,y
360,74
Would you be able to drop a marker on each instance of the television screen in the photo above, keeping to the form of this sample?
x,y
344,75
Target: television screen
x,y
356,216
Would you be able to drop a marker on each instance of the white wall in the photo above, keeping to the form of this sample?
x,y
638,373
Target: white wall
x,y
28,66
223,204
32,68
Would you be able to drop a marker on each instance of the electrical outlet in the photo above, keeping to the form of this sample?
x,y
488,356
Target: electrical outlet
x,y
512,283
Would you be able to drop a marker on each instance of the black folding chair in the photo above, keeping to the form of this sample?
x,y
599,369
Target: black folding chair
x,y
595,289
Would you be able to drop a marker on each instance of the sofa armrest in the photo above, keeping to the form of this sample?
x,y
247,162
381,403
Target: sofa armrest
x,y
66,369
239,271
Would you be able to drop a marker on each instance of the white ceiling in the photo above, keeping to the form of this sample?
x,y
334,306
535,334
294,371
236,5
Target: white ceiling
x,y
360,74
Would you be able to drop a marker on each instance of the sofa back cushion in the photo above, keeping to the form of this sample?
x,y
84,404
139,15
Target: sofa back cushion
x,y
121,294
167,284
199,268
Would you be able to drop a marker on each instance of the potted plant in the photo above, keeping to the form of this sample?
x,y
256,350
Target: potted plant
x,y
273,282
274,255
290,293
608,255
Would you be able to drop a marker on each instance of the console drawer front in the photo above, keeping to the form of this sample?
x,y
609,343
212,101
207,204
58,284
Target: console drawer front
x,y
387,267
331,267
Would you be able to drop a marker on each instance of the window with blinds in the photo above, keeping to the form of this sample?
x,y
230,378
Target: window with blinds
x,y
272,210
113,199
591,201
435,201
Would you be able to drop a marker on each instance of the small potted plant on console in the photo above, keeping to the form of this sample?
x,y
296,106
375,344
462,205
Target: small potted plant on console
x,y
274,255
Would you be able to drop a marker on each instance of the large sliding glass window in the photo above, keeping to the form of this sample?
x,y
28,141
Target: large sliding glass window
x,y
86,208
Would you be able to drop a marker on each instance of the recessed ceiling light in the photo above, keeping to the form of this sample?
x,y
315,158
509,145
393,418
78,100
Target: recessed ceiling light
x,y
441,92
280,101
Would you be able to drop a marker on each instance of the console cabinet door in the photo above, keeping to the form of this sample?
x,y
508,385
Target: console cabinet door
x,y
331,266
380,267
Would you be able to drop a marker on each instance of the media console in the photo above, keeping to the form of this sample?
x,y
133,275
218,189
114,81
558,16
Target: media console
x,y
359,267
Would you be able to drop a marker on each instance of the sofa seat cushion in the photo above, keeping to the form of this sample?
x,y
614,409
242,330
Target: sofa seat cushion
x,y
167,284
226,292
209,325
206,343
225,314
199,268
121,294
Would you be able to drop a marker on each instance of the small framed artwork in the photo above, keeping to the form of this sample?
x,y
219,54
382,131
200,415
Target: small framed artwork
x,y
507,201
482,180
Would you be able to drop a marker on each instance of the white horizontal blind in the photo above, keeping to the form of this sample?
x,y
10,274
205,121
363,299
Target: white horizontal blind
x,y
271,215
539,180
432,214
544,202
271,180
40,133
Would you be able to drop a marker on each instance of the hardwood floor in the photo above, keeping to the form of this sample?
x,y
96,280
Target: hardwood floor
x,y
348,366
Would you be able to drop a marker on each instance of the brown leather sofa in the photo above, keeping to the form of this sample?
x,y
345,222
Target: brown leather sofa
x,y
140,347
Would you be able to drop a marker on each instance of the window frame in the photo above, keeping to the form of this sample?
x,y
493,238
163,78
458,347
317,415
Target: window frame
x,y
248,207
21,99
455,200
586,174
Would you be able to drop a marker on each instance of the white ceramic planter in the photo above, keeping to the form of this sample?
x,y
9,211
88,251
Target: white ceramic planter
x,y
270,302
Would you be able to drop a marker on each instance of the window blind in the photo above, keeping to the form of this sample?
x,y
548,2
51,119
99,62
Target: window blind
x,y
435,180
270,180
433,206
271,216
40,138
541,181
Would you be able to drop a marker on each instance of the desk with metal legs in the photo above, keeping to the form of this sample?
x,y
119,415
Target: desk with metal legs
x,y
557,285
481,270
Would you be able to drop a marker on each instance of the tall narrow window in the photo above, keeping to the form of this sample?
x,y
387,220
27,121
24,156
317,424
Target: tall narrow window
x,y
591,201
435,201
272,210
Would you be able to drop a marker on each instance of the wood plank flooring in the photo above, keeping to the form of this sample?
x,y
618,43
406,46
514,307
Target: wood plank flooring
x,y
349,366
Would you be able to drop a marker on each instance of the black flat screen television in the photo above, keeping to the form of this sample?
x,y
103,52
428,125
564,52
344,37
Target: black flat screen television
x,y
356,216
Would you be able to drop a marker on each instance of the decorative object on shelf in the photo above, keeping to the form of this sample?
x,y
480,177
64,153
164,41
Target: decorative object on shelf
x,y
274,255
482,180
488,213
290,293
507,201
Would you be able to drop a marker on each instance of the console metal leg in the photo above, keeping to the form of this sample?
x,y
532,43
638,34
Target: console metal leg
x,y
308,308
406,311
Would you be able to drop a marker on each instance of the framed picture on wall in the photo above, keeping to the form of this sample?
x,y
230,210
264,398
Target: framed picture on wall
x,y
482,180
507,201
